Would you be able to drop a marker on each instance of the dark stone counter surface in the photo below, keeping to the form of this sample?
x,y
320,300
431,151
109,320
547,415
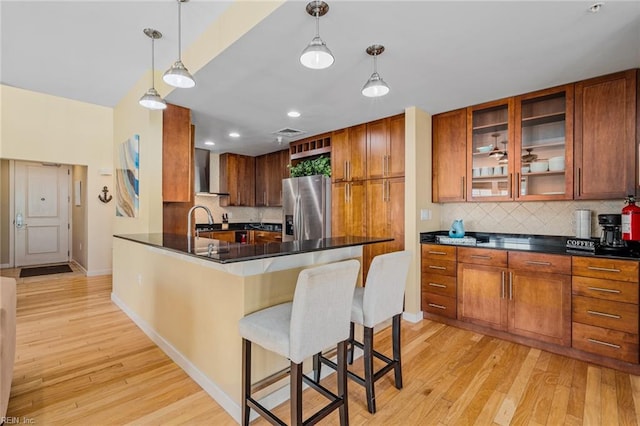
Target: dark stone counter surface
x,y
535,243
225,252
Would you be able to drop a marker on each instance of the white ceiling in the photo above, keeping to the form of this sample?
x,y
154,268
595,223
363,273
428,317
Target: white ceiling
x,y
440,55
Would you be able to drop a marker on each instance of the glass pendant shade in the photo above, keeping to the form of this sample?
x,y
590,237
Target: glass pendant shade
x,y
375,86
152,100
317,55
179,76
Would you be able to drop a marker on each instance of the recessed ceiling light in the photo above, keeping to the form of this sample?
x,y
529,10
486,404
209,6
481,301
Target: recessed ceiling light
x,y
234,134
293,114
595,8
209,143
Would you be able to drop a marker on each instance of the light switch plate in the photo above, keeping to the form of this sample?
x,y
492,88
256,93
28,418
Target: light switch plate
x,y
425,214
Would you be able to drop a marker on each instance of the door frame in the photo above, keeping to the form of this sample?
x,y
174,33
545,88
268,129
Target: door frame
x,y
12,209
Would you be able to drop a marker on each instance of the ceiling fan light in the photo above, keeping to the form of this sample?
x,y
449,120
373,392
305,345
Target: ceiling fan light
x,y
152,100
179,76
375,86
317,55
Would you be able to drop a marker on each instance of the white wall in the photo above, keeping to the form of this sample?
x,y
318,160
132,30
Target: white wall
x,y
40,127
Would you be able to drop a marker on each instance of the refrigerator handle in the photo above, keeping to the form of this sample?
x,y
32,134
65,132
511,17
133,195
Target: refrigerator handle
x,y
296,218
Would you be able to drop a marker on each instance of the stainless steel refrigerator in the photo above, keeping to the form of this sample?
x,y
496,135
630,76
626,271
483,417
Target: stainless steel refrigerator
x,y
306,205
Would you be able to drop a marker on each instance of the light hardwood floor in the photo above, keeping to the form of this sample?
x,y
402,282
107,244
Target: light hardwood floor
x,y
80,360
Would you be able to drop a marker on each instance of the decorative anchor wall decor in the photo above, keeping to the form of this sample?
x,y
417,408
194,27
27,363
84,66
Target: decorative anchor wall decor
x,y
106,197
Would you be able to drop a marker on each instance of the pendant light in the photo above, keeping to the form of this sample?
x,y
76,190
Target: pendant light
x,y
178,75
317,55
375,86
151,99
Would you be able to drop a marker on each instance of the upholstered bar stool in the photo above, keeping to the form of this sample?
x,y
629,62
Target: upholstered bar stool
x,y
317,318
379,300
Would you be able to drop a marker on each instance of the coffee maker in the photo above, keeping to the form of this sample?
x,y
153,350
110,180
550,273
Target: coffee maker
x,y
611,239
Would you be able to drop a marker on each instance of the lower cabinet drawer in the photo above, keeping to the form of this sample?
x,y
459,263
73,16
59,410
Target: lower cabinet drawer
x,y
439,305
439,284
618,291
605,313
605,342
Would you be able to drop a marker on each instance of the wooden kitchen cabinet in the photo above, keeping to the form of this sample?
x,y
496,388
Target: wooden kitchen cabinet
x,y
228,236
237,177
177,155
490,151
526,294
349,153
348,208
605,307
270,170
385,216
544,131
438,280
449,138
385,147
605,136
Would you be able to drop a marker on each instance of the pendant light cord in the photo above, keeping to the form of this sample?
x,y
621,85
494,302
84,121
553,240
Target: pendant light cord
x,y
317,22
153,40
179,31
375,63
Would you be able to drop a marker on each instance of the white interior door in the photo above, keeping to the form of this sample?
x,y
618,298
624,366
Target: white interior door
x,y
41,213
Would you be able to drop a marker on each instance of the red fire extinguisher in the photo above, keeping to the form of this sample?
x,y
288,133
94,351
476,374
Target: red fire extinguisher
x,y
631,220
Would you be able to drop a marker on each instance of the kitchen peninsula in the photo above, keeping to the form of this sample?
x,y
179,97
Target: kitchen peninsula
x,y
187,294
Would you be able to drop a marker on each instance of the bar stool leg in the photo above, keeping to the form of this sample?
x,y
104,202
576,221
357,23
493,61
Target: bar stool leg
x,y
351,347
295,397
246,380
342,383
397,368
368,369
317,365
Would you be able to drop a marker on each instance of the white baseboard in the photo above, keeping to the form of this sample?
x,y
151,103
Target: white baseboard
x,y
97,272
210,387
414,318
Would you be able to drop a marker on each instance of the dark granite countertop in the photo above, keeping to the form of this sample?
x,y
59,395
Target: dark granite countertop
x,y
225,252
534,243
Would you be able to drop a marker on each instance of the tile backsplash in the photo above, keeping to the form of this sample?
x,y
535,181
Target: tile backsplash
x,y
236,214
541,218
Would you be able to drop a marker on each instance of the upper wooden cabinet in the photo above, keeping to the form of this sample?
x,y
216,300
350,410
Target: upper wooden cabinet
x,y
237,177
544,145
177,155
490,151
606,136
270,170
349,153
449,156
385,147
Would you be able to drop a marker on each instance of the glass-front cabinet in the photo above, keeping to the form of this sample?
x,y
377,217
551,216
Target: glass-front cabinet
x,y
544,145
491,150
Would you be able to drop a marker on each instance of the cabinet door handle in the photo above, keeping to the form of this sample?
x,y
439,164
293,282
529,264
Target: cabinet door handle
x,y
604,314
433,305
510,185
518,189
510,285
605,290
502,285
579,181
441,268
463,188
264,196
597,268
437,252
345,171
537,262
600,342
349,169
479,256
437,285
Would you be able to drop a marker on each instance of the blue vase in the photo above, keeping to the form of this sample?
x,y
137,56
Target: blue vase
x,y
457,229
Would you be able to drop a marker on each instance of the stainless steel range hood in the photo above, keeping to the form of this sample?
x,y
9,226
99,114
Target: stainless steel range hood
x,y
207,166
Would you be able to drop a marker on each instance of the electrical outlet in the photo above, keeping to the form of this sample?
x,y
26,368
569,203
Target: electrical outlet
x,y
425,214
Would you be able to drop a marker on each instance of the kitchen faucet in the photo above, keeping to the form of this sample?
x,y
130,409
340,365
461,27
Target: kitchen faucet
x,y
209,216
